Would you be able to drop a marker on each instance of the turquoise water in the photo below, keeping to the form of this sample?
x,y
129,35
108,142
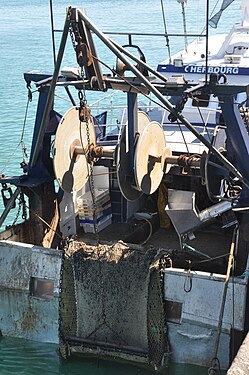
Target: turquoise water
x,y
30,358
25,44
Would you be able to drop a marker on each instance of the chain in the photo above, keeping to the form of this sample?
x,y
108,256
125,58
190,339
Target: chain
x,y
215,367
91,184
84,114
21,205
71,32
79,47
24,207
82,93
18,213
63,348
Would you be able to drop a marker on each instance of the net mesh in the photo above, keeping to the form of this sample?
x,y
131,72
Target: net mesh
x,y
213,22
68,311
112,296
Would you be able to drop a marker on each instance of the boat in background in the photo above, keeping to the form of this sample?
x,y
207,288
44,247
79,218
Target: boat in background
x,y
226,55
96,264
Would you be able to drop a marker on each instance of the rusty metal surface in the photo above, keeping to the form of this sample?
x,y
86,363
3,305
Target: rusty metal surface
x,y
200,295
21,314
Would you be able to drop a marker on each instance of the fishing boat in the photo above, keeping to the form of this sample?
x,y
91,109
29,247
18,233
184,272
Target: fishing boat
x,y
129,247
222,54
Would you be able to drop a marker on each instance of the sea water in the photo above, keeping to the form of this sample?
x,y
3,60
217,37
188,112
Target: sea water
x,y
25,44
22,357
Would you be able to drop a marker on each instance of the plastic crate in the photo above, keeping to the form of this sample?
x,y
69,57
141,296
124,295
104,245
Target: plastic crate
x,y
86,201
101,224
100,211
103,210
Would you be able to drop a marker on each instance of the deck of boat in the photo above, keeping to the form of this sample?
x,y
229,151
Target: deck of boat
x,y
209,250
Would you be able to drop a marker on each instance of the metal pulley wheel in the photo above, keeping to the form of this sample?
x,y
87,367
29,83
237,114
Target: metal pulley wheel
x,y
125,174
148,156
71,169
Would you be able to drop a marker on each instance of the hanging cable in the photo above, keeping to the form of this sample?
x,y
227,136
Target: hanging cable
x,y
24,148
183,137
182,2
166,32
215,6
24,215
233,297
202,118
213,369
207,47
146,96
21,142
130,84
52,30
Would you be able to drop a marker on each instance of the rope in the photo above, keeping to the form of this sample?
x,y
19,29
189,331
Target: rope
x,y
62,98
244,274
40,218
151,231
166,32
29,100
215,6
129,83
202,119
188,247
184,24
140,92
188,278
211,259
213,370
154,101
183,137
20,142
215,367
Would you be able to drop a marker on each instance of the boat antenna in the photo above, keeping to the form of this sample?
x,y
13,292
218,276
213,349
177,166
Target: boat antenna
x,y
182,2
207,30
52,29
166,32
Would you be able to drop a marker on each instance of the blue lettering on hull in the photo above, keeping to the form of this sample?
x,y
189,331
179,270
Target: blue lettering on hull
x,y
201,69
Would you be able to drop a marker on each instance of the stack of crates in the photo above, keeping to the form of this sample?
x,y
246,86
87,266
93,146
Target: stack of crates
x,y
103,212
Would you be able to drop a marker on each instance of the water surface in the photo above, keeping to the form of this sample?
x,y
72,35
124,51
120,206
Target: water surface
x,y
24,357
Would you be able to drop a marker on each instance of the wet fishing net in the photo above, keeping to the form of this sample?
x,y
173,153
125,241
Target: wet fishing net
x,y
111,303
